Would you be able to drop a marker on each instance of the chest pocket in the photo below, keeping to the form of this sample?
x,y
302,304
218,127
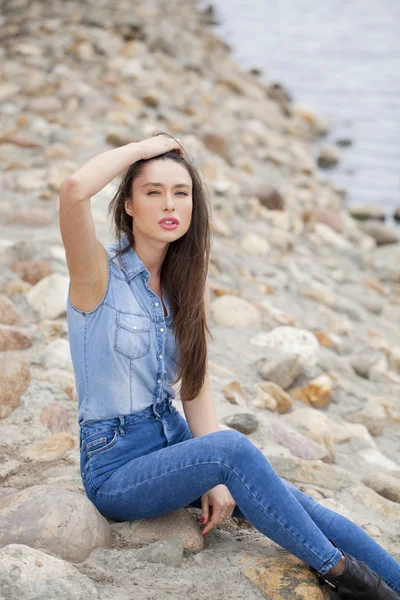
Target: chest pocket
x,y
132,335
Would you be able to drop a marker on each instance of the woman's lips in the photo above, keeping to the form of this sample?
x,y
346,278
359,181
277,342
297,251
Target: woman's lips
x,y
169,225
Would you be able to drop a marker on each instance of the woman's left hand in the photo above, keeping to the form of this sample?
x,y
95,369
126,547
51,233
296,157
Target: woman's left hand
x,y
222,505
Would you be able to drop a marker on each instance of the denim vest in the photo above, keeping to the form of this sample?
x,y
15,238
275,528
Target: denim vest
x,y
124,352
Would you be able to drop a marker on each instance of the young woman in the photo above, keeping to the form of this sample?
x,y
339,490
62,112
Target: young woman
x,y
138,314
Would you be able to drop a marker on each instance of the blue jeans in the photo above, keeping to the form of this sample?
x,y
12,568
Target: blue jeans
x,y
148,463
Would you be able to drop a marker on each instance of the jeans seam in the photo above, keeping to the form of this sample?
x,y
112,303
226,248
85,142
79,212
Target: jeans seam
x,y
237,474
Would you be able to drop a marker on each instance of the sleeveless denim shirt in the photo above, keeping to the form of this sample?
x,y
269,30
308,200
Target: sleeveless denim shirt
x,y
124,352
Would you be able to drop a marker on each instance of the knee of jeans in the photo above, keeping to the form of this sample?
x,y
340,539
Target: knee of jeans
x,y
236,442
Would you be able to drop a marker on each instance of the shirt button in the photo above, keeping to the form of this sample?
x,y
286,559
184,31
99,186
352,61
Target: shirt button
x,y
134,327
161,328
156,304
158,380
160,356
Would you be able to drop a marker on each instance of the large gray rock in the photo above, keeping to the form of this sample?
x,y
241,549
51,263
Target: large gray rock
x,y
48,296
54,519
30,574
290,340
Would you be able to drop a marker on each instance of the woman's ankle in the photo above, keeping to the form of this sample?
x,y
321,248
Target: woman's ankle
x,y
337,569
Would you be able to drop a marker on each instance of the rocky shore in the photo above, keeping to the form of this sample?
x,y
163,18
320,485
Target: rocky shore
x,y
305,311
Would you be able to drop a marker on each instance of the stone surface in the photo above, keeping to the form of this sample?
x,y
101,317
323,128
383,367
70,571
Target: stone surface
x,y
53,519
41,575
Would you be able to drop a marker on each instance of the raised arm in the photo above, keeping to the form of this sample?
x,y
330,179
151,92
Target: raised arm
x,y
86,256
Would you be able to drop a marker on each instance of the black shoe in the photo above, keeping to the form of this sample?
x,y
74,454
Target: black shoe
x,y
359,582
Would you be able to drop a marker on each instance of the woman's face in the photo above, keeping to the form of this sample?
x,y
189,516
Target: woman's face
x,y
171,197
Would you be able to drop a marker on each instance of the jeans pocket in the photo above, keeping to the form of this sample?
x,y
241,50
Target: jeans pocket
x,y
100,442
132,335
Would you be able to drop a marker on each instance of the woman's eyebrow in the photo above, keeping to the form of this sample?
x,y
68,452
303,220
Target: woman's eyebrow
x,y
156,184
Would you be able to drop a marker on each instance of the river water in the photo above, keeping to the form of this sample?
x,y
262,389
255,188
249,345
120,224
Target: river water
x,y
342,60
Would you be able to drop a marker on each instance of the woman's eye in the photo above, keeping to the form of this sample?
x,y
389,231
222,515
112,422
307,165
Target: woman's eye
x,y
157,192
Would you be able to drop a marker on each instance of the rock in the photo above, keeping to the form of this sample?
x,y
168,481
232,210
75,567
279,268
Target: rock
x,y
58,151
281,240
282,398
360,438
55,417
281,369
328,157
216,143
363,362
52,329
384,484
372,415
52,447
264,400
396,215
219,227
298,444
329,218
168,552
64,379
254,244
374,458
380,233
14,338
57,354
370,499
34,217
9,314
16,286
231,311
151,97
41,575
344,142
58,173
325,235
317,392
48,296
244,422
290,340
234,392
319,295
363,212
14,381
54,519
45,104
145,531
282,577
32,271
118,138
314,472
270,197
315,425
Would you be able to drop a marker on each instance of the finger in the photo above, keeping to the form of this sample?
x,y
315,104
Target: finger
x,y
215,519
204,509
209,526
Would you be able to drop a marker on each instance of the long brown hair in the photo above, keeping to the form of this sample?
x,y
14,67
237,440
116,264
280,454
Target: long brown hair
x,y
183,272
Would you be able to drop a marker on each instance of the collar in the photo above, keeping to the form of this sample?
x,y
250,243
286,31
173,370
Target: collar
x,y
130,261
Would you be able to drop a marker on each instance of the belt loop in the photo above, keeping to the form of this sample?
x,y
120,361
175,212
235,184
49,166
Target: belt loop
x,y
121,424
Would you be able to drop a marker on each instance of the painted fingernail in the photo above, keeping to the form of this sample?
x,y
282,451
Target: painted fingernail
x,y
203,520
205,533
